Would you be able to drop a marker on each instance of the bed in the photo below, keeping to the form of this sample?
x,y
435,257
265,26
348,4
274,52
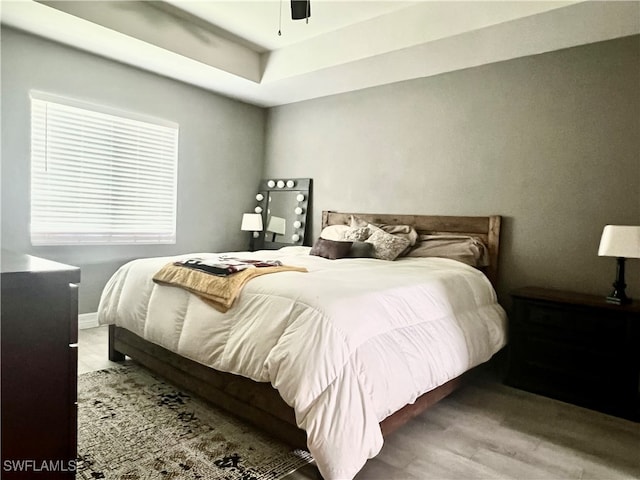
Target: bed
x,y
337,362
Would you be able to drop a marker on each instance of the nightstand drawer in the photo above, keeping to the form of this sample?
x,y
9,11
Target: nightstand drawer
x,y
574,327
586,363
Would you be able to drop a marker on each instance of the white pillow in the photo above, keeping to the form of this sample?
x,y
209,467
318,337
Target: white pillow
x,y
334,232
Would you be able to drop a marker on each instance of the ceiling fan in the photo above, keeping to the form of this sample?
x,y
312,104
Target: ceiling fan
x,y
300,9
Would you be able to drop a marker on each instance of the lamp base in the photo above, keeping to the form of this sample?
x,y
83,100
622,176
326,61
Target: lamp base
x,y
618,296
618,300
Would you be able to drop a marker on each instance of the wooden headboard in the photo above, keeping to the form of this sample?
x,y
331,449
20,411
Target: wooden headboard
x,y
485,228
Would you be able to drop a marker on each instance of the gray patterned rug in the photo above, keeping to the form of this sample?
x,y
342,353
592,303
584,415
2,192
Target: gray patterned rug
x,y
133,425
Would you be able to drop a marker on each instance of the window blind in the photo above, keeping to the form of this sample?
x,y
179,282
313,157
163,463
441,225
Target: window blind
x,y
100,176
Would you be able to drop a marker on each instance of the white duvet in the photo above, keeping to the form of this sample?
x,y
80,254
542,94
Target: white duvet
x,y
346,344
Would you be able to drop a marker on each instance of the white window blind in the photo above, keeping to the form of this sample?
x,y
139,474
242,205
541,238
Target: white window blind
x,y
100,176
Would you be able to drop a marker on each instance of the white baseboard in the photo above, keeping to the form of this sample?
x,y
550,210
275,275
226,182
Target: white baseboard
x,y
87,320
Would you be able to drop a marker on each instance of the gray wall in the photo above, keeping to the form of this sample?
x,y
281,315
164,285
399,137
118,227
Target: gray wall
x,y
221,150
551,142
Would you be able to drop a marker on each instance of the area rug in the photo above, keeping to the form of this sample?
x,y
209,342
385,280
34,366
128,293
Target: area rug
x,y
133,425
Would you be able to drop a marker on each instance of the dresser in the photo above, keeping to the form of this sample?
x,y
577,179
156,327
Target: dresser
x,y
39,308
576,348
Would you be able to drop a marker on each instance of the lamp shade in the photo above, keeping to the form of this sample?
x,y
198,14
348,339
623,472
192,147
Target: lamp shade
x,y
620,241
251,222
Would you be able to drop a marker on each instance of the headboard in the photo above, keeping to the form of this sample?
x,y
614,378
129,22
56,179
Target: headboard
x,y
486,229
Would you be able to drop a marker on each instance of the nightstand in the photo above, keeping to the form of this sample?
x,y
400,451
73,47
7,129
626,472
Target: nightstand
x,y
576,348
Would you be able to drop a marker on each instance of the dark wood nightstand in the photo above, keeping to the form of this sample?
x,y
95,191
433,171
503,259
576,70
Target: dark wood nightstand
x,y
576,348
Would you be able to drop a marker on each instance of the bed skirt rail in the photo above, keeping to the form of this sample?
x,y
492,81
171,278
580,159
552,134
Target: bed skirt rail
x,y
256,402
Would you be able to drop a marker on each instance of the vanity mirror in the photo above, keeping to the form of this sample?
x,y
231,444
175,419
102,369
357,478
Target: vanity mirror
x,y
284,206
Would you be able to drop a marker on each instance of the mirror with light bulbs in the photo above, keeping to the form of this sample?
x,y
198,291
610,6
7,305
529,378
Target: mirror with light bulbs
x,y
284,206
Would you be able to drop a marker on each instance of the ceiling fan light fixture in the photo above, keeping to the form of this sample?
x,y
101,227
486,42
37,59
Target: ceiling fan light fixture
x,y
300,9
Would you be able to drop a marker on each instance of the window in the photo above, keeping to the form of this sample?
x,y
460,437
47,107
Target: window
x,y
100,176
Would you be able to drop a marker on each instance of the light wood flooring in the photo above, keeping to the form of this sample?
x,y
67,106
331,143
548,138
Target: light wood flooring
x,y
486,430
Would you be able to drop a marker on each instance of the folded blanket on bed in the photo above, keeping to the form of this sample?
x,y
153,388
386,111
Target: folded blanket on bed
x,y
219,291
224,265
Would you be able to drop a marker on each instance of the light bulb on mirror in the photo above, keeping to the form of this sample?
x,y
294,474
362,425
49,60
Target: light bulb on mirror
x,y
297,224
300,197
259,197
291,183
298,211
258,209
280,184
271,184
295,237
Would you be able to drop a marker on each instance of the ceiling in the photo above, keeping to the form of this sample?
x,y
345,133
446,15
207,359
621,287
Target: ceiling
x,y
233,47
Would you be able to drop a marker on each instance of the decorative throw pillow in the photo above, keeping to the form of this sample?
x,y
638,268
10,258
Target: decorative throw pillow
x,y
357,234
361,250
387,246
405,231
355,221
330,249
334,232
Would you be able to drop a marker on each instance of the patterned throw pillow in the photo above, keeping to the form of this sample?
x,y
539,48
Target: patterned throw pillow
x,y
355,221
357,234
405,231
387,246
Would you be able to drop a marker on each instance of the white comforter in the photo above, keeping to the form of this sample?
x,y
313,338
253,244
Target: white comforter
x,y
346,344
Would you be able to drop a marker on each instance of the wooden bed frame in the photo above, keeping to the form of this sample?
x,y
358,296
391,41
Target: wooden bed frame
x,y
260,403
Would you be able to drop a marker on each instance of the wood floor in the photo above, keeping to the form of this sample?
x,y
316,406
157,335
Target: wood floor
x,y
485,430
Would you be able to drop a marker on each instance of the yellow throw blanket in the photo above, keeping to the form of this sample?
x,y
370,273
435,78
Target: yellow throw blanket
x,y
218,291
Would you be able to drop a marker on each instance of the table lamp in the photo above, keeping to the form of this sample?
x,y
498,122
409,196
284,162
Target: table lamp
x,y
252,222
622,242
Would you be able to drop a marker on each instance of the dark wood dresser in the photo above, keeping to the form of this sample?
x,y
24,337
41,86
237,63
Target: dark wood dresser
x,y
39,308
576,348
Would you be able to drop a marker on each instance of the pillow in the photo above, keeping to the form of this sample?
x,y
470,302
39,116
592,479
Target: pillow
x,y
330,249
334,232
465,249
358,234
405,231
355,221
361,250
387,246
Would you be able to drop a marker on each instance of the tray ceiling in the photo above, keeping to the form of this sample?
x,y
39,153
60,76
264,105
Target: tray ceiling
x,y
233,48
